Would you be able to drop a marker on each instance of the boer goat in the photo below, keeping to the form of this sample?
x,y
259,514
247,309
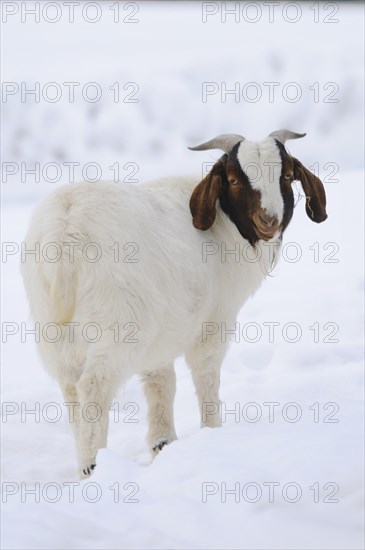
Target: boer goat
x,y
144,307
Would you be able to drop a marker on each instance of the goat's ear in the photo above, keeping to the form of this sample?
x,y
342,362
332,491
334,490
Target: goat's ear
x,y
315,195
204,198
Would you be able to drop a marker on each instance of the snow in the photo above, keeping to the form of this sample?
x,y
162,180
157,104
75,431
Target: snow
x,y
169,53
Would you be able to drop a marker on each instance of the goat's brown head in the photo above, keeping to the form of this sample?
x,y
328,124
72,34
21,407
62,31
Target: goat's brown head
x,y
253,183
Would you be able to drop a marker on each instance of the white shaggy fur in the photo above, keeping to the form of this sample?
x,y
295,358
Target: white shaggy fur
x,y
261,162
167,294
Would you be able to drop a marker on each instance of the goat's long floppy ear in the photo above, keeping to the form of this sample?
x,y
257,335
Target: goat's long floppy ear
x,y
315,195
203,199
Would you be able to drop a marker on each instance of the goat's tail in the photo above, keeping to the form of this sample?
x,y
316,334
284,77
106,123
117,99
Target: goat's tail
x,y
62,278
51,275
51,285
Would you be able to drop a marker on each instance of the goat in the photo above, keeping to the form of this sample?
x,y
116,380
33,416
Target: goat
x,y
168,291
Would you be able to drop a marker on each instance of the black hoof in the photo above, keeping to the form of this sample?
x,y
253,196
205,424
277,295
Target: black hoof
x,y
160,445
88,470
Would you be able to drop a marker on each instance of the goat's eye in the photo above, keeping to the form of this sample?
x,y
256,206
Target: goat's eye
x,y
288,177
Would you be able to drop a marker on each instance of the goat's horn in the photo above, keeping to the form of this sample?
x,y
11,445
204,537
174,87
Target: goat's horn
x,y
225,142
283,135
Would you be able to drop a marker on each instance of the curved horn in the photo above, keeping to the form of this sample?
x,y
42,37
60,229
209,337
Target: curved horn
x,y
283,135
225,142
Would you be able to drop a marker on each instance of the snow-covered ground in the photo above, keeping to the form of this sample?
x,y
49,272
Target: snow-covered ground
x,y
286,469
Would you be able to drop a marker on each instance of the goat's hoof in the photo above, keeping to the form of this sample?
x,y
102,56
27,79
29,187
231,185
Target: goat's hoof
x,y
159,445
87,471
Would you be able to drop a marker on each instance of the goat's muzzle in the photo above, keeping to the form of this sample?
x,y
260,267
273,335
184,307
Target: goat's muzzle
x,y
265,226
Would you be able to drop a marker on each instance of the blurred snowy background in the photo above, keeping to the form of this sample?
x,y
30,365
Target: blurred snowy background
x,y
303,75
161,71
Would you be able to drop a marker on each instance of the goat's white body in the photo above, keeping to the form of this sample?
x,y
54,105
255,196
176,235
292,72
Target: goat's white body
x,y
167,294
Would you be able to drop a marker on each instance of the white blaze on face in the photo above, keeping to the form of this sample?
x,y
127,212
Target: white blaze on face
x,y
261,162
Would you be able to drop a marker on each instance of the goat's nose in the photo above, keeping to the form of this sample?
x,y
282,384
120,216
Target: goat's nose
x,y
269,221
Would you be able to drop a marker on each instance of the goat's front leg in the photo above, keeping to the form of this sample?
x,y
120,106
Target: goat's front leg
x,y
205,370
159,389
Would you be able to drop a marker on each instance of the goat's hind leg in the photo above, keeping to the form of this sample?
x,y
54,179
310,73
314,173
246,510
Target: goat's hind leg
x,y
95,391
69,390
159,389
